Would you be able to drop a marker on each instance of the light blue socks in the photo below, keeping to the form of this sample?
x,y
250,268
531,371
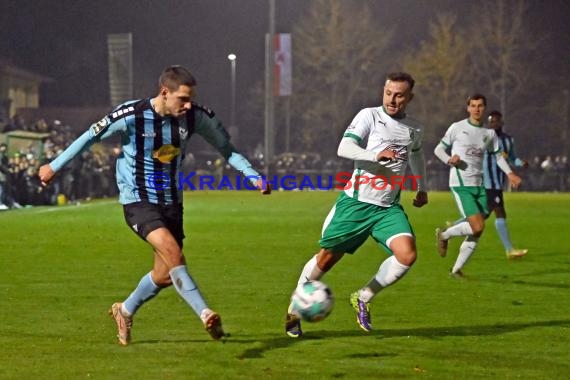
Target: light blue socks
x,y
145,290
187,289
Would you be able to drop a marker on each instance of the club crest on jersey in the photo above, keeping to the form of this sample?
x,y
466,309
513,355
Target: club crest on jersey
x,y
183,133
99,127
166,153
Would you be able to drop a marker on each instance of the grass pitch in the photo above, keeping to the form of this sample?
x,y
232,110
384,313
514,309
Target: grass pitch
x,y
62,267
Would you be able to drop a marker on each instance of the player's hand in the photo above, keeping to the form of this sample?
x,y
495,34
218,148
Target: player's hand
x,y
421,199
46,174
514,180
263,186
387,155
454,161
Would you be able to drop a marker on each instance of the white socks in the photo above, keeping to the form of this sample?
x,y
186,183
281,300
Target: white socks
x,y
310,272
391,270
459,229
465,252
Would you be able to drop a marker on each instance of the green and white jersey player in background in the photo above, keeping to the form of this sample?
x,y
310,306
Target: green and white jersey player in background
x,y
468,140
382,141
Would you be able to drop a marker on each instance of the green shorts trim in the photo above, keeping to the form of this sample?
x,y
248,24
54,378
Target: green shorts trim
x,y
350,222
471,200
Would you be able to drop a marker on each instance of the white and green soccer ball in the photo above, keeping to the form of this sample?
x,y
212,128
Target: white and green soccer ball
x,y
312,301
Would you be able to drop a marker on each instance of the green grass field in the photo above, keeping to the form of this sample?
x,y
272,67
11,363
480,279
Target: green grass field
x,y
61,269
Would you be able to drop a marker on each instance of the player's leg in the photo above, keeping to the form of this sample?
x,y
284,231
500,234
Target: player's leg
x,y
170,267
391,270
475,209
142,218
393,232
313,270
501,219
342,232
502,227
465,251
470,201
318,265
162,228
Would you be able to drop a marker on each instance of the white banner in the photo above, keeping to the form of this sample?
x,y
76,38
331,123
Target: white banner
x,y
120,60
282,68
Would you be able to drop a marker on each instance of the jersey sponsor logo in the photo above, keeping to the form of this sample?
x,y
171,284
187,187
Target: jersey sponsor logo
x,y
400,150
398,142
474,152
166,153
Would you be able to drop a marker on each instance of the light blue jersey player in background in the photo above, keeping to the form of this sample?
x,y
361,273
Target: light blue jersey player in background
x,y
154,133
494,180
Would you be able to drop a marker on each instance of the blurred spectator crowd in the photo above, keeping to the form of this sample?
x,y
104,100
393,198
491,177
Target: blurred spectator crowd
x,y
90,176
93,174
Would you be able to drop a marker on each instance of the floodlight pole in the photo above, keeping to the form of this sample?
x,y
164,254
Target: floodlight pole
x,y
269,104
233,58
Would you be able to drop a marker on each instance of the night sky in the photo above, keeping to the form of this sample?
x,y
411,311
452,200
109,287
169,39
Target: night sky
x,y
66,40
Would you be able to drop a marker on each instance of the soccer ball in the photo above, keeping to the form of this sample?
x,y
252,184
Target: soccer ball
x,y
312,301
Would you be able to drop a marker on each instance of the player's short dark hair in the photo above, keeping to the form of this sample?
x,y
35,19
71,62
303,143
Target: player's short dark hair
x,y
175,76
400,76
477,96
495,113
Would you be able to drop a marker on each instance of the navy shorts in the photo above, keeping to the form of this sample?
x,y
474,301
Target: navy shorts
x,y
143,218
494,199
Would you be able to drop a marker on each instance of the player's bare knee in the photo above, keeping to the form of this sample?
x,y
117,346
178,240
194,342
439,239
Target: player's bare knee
x,y
478,229
406,257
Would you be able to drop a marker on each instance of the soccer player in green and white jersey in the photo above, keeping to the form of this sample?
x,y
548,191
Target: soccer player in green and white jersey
x,y
468,140
382,141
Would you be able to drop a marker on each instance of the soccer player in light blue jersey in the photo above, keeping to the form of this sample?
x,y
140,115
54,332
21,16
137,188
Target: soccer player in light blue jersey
x,y
154,133
467,140
383,141
494,180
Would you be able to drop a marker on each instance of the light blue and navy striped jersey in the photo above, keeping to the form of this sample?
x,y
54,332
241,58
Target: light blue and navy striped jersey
x,y
153,147
493,176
